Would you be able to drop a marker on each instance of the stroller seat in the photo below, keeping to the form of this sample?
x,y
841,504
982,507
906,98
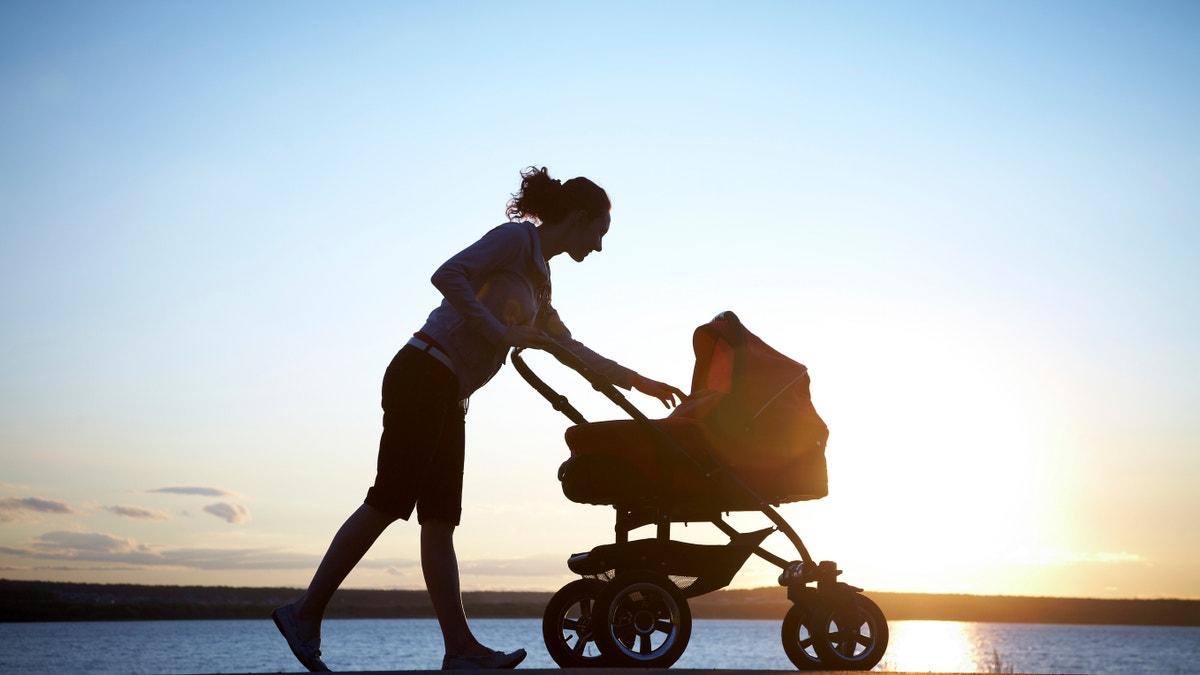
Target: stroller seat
x,y
749,416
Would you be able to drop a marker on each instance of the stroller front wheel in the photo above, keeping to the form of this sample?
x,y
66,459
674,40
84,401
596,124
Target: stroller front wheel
x,y
642,620
568,624
797,632
849,634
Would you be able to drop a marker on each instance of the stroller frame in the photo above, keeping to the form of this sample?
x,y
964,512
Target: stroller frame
x,y
629,608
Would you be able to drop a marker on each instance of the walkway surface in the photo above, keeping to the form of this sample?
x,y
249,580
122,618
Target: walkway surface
x,y
615,671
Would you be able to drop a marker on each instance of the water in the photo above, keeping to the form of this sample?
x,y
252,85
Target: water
x,y
168,647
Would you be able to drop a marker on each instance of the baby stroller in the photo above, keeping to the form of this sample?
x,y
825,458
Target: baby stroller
x,y
746,439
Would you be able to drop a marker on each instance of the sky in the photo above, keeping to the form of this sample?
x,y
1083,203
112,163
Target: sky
x,y
976,223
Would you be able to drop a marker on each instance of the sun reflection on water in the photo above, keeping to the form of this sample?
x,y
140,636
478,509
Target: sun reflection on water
x,y
938,646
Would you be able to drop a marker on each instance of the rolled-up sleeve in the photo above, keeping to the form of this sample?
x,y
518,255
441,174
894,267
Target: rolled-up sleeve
x,y
495,250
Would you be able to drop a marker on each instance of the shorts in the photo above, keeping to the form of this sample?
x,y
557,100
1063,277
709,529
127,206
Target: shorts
x,y
422,447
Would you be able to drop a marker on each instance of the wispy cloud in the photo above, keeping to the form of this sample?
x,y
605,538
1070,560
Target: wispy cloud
x,y
92,547
71,568
239,559
20,508
197,491
136,512
84,551
230,513
532,566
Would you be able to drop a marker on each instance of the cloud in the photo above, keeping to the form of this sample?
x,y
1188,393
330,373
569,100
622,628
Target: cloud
x,y
88,541
230,513
533,566
72,568
17,508
240,559
198,491
136,512
107,549
85,546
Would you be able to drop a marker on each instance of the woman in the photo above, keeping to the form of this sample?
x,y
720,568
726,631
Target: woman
x,y
496,295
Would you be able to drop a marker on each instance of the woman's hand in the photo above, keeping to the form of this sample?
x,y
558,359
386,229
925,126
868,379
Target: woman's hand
x,y
526,336
659,390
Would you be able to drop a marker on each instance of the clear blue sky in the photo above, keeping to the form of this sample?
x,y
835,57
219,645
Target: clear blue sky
x,y
977,224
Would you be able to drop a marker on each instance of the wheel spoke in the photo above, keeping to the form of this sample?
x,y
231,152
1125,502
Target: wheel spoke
x,y
625,636
646,646
847,646
664,626
571,624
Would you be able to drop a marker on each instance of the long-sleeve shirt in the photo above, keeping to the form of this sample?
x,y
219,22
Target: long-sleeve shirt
x,y
499,281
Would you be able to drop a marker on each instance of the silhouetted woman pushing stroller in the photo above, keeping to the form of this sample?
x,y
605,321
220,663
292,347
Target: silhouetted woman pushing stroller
x,y
496,295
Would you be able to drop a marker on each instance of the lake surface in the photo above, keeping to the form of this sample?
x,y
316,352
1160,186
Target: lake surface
x,y
171,647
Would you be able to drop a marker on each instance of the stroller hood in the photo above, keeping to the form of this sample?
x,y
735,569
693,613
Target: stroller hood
x,y
753,401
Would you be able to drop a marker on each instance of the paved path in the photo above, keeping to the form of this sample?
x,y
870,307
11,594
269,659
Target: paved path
x,y
616,671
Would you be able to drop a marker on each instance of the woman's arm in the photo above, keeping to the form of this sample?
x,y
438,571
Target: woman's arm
x,y
614,372
496,249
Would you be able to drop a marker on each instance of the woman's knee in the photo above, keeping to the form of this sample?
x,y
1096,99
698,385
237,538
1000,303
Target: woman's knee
x,y
437,527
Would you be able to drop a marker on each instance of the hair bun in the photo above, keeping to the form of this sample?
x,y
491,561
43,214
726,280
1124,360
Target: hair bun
x,y
547,199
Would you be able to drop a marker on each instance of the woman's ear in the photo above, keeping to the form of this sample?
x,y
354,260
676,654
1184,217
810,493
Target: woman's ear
x,y
575,218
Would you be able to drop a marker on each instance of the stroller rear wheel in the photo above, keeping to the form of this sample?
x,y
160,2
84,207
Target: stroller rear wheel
x,y
798,635
849,634
643,620
567,625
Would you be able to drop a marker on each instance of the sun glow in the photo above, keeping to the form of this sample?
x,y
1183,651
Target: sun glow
x,y
937,646
934,454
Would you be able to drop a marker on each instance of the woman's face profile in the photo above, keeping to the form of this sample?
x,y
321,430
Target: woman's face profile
x,y
588,235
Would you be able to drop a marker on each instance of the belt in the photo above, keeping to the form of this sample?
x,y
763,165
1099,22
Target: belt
x,y
433,350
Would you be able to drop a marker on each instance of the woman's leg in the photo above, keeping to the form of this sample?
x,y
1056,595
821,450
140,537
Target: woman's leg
x,y
349,545
439,563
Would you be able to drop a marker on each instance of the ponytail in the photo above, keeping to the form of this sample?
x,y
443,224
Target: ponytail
x,y
543,198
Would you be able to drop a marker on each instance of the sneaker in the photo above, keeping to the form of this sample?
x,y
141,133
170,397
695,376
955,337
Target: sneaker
x,y
308,652
493,661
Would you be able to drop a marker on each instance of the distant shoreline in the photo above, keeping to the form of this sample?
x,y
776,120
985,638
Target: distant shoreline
x,y
60,601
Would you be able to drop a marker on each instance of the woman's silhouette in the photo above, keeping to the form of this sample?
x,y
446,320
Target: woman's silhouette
x,y
496,295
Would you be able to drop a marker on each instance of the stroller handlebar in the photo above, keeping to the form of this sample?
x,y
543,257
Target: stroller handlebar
x,y
571,360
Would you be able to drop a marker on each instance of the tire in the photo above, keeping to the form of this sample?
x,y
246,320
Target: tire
x,y
850,634
567,625
642,620
797,636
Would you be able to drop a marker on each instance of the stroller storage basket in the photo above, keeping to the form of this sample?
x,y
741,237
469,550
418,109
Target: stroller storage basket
x,y
696,568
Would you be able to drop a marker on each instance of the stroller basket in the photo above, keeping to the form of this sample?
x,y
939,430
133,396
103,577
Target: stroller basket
x,y
695,568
